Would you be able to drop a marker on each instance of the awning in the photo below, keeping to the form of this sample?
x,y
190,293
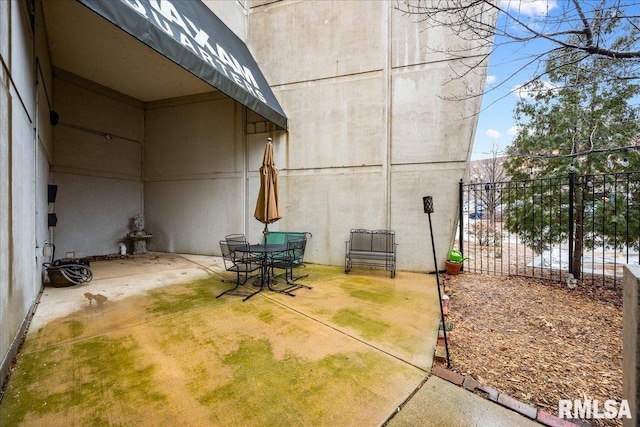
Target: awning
x,y
191,35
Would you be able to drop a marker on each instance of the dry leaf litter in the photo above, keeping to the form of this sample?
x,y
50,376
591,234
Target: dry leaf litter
x,y
537,340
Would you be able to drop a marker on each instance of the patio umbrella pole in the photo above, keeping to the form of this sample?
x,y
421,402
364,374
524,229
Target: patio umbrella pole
x,y
427,202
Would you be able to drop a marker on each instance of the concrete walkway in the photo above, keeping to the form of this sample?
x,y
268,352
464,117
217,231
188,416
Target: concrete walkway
x,y
147,342
442,404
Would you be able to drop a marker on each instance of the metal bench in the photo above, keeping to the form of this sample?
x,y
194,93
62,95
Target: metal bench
x,y
371,248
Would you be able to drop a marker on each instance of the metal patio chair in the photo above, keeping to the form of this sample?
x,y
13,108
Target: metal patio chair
x,y
291,259
238,263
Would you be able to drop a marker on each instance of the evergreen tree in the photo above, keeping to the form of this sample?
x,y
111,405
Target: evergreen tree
x,y
574,124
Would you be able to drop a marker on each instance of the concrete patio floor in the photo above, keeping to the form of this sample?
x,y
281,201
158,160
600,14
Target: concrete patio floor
x,y
147,342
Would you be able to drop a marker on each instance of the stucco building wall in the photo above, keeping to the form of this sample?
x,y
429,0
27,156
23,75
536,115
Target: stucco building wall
x,y
371,132
98,155
194,173
369,135
25,156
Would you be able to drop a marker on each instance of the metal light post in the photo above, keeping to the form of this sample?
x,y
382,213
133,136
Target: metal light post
x,y
427,203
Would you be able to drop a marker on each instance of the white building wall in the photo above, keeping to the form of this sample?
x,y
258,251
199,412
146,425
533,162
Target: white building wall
x,y
194,179
369,135
179,183
8,324
25,142
97,167
232,13
370,131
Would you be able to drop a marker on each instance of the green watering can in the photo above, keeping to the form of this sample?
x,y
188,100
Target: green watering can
x,y
455,256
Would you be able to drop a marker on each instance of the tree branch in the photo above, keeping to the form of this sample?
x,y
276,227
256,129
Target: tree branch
x,y
608,29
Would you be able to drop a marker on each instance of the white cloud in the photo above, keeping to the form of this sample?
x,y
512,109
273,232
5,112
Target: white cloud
x,y
513,131
520,92
532,8
527,90
490,80
492,133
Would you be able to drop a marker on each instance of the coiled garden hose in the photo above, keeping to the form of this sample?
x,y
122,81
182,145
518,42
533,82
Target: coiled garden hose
x,y
74,271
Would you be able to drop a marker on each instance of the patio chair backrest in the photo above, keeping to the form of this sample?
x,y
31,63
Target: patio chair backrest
x,y
296,246
281,237
227,255
235,241
238,264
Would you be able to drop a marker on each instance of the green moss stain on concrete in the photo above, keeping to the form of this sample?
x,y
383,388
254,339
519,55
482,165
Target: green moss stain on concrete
x,y
267,316
221,353
262,386
175,333
183,297
20,398
245,308
379,317
58,331
367,326
76,328
198,377
321,271
92,376
372,290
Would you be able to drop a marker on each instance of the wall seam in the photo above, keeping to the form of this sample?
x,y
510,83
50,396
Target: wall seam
x,y
388,113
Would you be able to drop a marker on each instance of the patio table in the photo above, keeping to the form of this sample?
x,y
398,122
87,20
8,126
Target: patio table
x,y
265,253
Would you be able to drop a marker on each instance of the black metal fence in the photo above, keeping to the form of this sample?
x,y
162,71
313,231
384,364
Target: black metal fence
x,y
578,226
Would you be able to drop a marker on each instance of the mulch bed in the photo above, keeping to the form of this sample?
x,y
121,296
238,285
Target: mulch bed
x,y
537,340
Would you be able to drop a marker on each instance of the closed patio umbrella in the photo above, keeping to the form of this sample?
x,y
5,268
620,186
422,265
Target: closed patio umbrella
x,y
268,204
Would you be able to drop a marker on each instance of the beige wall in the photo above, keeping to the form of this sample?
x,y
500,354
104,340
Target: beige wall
x,y
194,180
369,136
8,324
370,133
25,155
97,167
232,13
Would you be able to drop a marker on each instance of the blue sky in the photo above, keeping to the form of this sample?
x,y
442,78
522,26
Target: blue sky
x,y
496,126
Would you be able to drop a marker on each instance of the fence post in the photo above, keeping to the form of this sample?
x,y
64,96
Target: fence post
x,y
572,183
461,218
631,342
